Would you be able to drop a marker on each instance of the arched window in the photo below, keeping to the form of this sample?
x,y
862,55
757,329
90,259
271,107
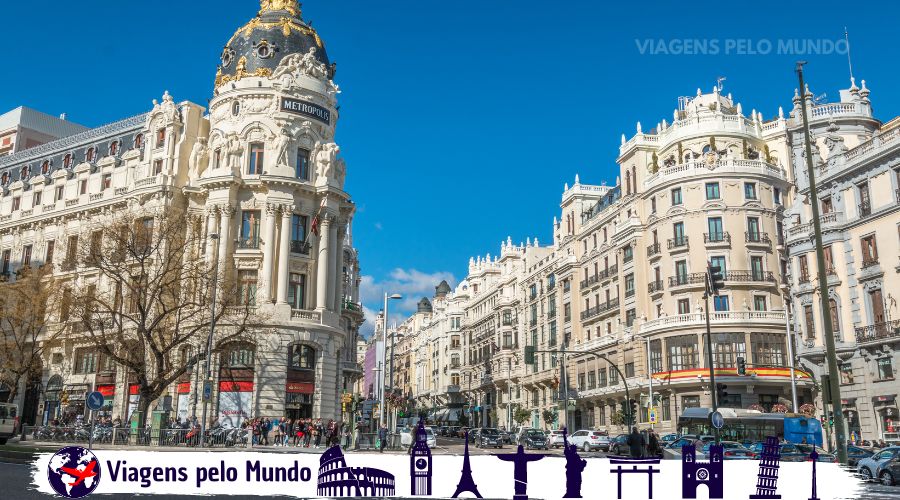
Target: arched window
x,y
113,148
67,160
302,357
23,174
4,179
89,156
239,356
139,141
45,168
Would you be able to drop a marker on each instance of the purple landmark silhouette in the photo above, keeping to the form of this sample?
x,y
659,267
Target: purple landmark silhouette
x,y
767,479
694,473
337,479
466,483
814,456
574,467
520,472
420,463
634,463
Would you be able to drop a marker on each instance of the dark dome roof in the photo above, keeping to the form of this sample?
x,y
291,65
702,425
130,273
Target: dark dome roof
x,y
424,305
276,32
442,289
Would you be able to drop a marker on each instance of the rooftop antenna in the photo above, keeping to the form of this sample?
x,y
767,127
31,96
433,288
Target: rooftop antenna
x,y
719,81
849,62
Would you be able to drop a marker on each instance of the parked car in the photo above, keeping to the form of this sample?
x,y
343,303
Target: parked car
x,y
461,433
489,437
506,436
556,438
870,468
619,446
604,441
824,456
683,440
473,434
9,420
587,440
857,453
453,431
732,450
533,439
668,438
521,432
890,471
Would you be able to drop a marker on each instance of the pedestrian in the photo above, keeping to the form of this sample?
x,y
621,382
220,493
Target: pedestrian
x,y
276,432
635,443
346,430
317,433
653,446
382,438
359,432
307,435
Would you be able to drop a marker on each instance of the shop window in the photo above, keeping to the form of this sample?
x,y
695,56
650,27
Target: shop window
x,y
302,357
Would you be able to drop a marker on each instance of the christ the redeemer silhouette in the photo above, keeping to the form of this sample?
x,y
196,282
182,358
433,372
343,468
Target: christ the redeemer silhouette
x,y
520,472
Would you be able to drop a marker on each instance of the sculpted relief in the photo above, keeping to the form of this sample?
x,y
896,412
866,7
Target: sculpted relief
x,y
199,158
292,67
328,166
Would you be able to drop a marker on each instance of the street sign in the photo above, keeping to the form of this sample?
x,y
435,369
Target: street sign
x,y
207,390
652,415
94,400
717,420
347,398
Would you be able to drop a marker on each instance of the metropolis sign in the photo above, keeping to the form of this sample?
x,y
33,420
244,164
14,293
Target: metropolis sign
x,y
304,108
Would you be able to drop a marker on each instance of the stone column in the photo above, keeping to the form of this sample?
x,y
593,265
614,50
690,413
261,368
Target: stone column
x,y
268,276
226,212
284,253
338,266
332,257
322,261
211,222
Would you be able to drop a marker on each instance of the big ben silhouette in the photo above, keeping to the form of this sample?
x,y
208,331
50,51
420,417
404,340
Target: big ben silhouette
x,y
420,463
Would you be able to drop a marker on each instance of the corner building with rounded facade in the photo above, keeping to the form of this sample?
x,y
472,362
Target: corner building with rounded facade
x,y
259,169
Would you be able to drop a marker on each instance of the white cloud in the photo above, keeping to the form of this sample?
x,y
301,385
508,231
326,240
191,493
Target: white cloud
x,y
412,284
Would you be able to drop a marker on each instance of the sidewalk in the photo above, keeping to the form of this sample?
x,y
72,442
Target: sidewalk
x,y
44,446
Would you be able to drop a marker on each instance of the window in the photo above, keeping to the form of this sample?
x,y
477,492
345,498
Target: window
x,y
157,167
139,141
753,234
656,364
45,168
718,261
601,375
678,233
776,196
240,356
82,186
217,158
684,306
846,371
301,169
629,285
681,272
48,259
835,319
107,181
716,233
768,349
591,380
67,160
676,196
803,266
720,303
683,352
827,205
869,251
298,232
567,285
4,270
302,357
160,137
613,376
630,316
810,321
16,203
256,158
727,347
750,190
85,361
885,368
72,249
829,260
113,148
36,198
89,156
60,190
876,302
865,202
627,253
759,303
249,229
690,402
712,190
629,369
247,288
653,205
756,268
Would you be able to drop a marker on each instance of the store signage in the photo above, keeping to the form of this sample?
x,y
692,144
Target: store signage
x,y
300,387
298,107
229,386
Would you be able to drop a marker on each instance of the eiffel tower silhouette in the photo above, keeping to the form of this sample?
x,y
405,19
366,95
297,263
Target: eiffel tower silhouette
x,y
466,483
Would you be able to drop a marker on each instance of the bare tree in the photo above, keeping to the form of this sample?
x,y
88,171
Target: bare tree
x,y
25,327
151,298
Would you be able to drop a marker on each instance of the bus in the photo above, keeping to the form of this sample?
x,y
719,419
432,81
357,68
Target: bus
x,y
750,426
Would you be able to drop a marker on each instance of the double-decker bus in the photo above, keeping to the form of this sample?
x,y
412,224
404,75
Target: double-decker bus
x,y
752,425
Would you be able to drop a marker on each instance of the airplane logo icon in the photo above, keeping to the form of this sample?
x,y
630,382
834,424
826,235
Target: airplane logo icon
x,y
81,475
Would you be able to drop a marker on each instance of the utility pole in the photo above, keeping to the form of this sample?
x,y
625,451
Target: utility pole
x,y
209,339
828,334
714,281
790,348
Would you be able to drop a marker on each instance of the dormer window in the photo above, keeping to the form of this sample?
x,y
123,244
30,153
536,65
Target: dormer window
x,y
45,168
113,148
89,156
138,141
160,137
23,174
4,179
67,160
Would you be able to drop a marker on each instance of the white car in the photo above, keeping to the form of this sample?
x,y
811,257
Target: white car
x,y
407,436
588,440
9,417
555,438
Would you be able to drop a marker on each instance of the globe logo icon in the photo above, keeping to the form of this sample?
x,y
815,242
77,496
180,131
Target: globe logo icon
x,y
74,472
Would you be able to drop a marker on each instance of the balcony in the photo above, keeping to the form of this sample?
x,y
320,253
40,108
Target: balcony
x,y
719,238
629,292
300,247
803,278
687,279
869,261
597,310
878,332
699,318
653,250
352,307
750,276
611,272
351,366
865,209
679,243
757,238
302,314
251,243
655,286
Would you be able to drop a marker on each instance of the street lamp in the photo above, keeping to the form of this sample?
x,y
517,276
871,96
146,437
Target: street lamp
x,y
395,296
212,326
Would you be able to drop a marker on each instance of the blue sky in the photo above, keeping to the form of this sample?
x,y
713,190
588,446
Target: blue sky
x,y
460,121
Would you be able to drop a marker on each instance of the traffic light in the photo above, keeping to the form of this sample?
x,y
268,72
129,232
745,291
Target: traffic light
x,y
721,393
741,366
632,404
529,355
826,389
715,279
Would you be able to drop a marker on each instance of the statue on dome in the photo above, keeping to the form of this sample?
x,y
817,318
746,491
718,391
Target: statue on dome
x,y
311,65
325,160
198,159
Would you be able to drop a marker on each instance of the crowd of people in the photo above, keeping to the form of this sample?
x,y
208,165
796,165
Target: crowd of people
x,y
644,444
304,433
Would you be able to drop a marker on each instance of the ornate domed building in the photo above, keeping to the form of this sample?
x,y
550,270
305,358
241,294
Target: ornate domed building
x,y
262,181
